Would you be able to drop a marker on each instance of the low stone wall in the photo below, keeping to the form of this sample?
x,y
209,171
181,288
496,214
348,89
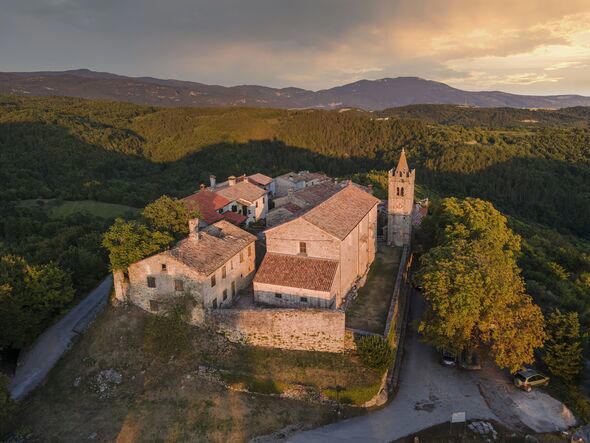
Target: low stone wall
x,y
298,329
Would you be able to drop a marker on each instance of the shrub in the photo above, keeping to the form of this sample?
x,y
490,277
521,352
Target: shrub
x,y
167,335
7,405
374,352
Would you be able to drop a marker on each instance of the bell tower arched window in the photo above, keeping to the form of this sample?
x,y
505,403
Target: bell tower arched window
x,y
402,191
398,190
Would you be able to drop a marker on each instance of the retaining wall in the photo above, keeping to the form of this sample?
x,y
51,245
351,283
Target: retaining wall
x,y
298,329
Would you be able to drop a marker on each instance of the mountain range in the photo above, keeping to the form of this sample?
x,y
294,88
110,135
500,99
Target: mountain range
x,y
364,94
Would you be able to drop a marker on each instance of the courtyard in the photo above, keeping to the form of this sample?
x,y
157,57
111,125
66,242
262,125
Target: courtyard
x,y
368,311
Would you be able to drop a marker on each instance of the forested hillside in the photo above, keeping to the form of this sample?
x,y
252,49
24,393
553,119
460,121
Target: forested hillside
x,y
533,165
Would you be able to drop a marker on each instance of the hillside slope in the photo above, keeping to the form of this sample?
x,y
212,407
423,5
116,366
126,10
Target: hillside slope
x,y
364,94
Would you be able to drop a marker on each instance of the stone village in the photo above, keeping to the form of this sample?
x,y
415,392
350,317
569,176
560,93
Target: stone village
x,y
318,243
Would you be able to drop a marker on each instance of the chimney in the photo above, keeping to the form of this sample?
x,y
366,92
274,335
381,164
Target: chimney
x,y
231,180
370,186
193,229
202,187
212,178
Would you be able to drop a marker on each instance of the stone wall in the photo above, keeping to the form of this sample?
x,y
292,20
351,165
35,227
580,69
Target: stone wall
x,y
298,329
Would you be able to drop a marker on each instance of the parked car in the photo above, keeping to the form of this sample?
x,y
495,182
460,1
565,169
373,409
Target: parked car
x,y
529,378
470,360
447,358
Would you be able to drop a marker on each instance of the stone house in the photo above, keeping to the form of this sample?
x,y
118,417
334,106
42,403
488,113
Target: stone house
x,y
213,207
295,181
211,265
263,181
316,258
244,197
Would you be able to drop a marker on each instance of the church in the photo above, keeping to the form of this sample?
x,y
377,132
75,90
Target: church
x,y
400,203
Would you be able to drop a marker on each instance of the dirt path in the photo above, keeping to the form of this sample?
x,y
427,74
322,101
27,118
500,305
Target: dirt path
x,y
49,347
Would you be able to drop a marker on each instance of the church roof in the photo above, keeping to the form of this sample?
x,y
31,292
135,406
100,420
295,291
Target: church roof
x,y
402,164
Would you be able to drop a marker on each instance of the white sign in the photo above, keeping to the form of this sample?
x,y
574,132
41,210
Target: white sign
x,y
458,417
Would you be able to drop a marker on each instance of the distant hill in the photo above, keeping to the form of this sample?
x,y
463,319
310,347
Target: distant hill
x,y
364,94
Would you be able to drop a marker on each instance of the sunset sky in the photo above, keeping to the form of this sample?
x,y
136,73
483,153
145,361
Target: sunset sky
x,y
526,46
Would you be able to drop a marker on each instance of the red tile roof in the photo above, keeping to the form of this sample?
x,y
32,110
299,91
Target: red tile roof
x,y
342,212
216,245
260,179
208,203
243,190
295,271
234,217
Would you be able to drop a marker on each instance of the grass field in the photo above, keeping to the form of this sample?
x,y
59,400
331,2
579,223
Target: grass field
x,y
368,311
59,208
169,399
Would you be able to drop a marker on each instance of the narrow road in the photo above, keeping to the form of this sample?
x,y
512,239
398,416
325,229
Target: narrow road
x,y
50,345
428,394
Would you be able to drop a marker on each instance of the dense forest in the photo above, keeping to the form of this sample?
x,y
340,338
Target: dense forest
x,y
534,166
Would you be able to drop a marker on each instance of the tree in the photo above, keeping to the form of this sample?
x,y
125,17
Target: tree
x,y
473,285
170,215
7,405
563,348
130,241
30,297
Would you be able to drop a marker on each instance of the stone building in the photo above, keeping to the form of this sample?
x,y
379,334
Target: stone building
x,y
400,203
263,181
295,181
315,259
211,265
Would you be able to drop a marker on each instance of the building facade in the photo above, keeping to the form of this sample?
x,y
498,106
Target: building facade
x,y
210,266
315,259
400,203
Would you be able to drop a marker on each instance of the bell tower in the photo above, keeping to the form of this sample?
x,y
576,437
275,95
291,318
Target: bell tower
x,y
400,203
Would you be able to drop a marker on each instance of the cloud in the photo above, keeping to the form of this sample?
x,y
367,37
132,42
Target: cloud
x,y
307,43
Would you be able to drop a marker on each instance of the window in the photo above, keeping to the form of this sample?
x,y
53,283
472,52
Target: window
x,y
263,200
303,299
249,212
250,251
178,285
223,272
234,208
220,211
398,190
126,277
302,247
215,304
256,204
231,264
277,295
224,294
400,173
233,288
151,282
164,269
154,305
402,191
241,256
213,280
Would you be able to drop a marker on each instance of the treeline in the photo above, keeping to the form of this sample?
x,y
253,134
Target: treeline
x,y
75,149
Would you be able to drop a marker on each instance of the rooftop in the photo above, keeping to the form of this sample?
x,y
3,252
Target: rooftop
x,y
260,179
305,176
296,271
339,214
242,190
217,244
207,203
315,194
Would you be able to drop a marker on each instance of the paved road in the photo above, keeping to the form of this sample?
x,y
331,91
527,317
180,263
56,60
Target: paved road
x,y
429,393
50,346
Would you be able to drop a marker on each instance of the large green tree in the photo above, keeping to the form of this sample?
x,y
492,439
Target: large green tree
x,y
130,241
476,297
30,298
169,214
563,348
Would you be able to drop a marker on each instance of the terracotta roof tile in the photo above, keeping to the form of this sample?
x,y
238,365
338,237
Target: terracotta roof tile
x,y
296,271
207,203
315,194
260,179
342,212
216,245
243,190
234,217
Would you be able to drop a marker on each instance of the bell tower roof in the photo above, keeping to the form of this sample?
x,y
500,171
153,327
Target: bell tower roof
x,y
402,164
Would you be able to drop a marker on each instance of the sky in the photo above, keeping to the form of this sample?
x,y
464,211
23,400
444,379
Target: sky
x,y
524,46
